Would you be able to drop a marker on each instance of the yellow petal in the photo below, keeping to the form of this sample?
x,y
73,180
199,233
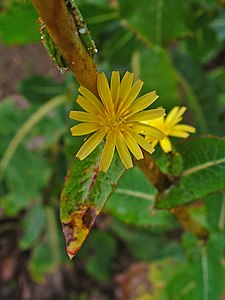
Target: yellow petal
x,y
107,154
134,91
179,134
115,87
149,130
123,151
133,146
104,92
184,127
91,106
84,128
166,145
147,115
154,143
175,115
125,85
82,116
142,142
91,144
142,103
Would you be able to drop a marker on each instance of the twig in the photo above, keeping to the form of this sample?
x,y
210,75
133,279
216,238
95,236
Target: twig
x,y
61,26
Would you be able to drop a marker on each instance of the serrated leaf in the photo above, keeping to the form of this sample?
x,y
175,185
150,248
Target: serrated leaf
x,y
14,22
133,201
84,194
203,172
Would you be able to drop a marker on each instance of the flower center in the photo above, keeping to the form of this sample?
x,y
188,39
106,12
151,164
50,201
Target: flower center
x,y
114,122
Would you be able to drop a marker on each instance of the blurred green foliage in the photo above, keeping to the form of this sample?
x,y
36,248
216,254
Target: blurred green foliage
x,y
177,48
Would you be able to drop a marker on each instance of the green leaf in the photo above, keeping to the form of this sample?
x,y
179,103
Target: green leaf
x,y
98,253
198,94
202,276
203,172
213,263
49,253
156,21
33,224
158,74
14,28
26,177
146,243
38,89
133,201
12,118
85,192
217,25
215,209
203,43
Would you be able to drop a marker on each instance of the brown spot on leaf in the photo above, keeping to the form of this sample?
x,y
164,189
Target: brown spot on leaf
x,y
68,232
89,217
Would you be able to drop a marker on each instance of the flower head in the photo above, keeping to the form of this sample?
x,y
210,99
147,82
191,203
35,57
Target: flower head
x,y
170,127
116,117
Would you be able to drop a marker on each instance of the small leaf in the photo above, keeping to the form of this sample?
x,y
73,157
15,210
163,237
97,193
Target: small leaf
x,y
203,172
85,192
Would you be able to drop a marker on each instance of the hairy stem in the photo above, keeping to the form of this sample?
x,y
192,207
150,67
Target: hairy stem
x,y
61,26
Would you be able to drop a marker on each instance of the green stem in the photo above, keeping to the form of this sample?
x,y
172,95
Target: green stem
x,y
26,128
193,100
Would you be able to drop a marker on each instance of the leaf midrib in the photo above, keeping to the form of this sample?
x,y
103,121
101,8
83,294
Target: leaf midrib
x,y
203,166
136,194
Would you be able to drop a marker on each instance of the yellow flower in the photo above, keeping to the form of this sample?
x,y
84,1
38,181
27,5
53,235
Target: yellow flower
x,y
116,117
170,127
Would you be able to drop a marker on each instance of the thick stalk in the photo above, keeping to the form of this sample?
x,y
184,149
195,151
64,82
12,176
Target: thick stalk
x,y
152,172
61,26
